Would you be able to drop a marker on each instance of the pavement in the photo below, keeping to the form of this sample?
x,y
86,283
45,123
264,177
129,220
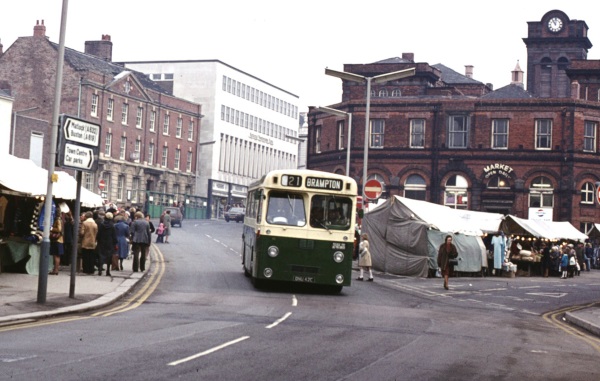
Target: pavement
x,y
19,294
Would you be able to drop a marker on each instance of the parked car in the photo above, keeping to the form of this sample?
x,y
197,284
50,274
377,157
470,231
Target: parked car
x,y
235,214
176,215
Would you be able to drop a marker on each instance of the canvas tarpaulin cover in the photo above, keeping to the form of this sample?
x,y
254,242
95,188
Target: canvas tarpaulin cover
x,y
405,235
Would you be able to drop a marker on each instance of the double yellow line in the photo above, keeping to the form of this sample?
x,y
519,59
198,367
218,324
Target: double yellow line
x,y
555,318
143,293
133,301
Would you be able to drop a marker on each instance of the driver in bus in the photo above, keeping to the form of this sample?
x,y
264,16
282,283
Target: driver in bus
x,y
278,213
316,216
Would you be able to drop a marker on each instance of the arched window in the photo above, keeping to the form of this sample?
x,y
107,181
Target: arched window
x,y
373,94
415,187
587,193
396,93
498,182
383,93
377,177
541,193
456,195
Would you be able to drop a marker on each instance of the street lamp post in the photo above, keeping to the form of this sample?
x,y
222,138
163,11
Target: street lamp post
x,y
381,78
333,111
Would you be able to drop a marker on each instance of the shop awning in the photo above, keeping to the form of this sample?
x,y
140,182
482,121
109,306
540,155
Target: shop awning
x,y
22,176
26,178
554,230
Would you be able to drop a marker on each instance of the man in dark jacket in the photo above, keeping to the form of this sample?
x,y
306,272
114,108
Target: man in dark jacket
x,y
107,243
140,237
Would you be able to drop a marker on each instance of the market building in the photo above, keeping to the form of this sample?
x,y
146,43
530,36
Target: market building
x,y
444,137
148,146
249,126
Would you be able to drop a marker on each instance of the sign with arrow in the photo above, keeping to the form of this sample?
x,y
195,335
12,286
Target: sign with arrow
x,y
78,144
78,157
80,131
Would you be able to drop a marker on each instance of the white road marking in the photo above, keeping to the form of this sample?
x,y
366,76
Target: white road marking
x,y
522,288
549,294
276,323
538,351
208,351
294,301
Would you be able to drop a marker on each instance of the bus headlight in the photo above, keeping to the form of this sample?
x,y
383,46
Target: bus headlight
x,y
338,256
273,251
339,279
268,273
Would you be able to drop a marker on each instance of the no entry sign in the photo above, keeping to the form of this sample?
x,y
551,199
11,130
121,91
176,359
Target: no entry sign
x,y
373,189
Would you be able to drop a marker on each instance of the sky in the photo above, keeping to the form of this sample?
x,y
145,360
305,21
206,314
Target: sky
x,y
290,43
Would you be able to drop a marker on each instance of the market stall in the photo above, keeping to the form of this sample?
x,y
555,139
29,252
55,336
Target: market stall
x,y
23,186
525,236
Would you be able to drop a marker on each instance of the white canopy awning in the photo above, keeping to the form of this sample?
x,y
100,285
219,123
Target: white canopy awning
x,y
25,177
554,230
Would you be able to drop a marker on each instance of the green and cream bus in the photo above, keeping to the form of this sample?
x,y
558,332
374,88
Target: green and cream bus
x,y
299,227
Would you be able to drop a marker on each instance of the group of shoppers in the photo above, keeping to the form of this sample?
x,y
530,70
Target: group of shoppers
x,y
105,238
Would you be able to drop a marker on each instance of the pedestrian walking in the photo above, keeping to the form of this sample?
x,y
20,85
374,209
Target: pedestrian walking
x,y
140,236
446,252
167,223
364,258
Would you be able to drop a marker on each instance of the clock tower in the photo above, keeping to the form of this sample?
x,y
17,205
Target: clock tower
x,y
552,44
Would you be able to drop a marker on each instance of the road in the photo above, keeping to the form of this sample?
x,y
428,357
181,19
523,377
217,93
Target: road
x,y
197,317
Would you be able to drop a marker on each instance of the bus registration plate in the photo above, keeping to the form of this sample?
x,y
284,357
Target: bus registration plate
x,y
305,279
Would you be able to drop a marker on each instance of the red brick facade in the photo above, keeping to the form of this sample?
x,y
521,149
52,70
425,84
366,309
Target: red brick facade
x,y
549,164
90,84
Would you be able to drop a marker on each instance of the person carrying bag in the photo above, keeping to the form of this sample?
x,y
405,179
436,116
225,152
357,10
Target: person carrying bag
x,y
447,258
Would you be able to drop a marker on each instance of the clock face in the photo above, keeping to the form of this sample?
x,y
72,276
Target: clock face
x,y
555,24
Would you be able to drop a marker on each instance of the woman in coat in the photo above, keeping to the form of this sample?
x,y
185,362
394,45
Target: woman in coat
x,y
122,230
56,245
364,258
447,250
107,242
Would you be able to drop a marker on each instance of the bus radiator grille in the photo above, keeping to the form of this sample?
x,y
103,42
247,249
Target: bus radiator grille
x,y
305,269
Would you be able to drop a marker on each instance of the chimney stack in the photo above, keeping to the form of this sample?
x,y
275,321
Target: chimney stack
x,y
469,71
408,56
101,49
517,76
39,30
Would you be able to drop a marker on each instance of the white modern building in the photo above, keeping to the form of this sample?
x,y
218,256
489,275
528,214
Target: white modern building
x,y
248,128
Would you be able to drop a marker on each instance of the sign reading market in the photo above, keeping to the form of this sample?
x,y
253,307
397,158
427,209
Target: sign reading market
x,y
497,169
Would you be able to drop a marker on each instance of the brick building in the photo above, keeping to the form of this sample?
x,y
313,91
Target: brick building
x,y
444,137
148,147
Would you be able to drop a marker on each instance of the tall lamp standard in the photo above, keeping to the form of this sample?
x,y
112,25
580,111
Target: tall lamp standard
x,y
333,111
381,78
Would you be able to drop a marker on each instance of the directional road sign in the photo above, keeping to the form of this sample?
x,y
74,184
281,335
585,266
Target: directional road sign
x,y
78,144
80,131
78,156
